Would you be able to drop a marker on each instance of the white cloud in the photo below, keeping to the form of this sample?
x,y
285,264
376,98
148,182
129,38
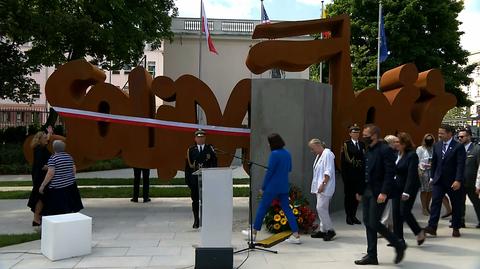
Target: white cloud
x,y
313,2
469,18
218,9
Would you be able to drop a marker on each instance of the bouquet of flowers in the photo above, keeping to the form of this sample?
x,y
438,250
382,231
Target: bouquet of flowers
x,y
276,221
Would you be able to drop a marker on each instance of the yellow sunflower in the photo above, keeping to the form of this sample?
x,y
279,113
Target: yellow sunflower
x,y
282,213
295,211
300,220
276,226
277,217
283,221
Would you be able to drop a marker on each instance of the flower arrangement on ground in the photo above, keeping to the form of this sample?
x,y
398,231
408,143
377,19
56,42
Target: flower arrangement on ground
x,y
276,221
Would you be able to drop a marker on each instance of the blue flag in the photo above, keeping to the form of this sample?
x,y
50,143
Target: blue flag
x,y
383,40
265,18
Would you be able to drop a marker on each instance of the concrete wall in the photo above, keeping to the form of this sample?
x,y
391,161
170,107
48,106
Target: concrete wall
x,y
298,110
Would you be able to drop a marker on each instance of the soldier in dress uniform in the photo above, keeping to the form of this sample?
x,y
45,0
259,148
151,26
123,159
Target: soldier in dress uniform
x,y
352,167
199,155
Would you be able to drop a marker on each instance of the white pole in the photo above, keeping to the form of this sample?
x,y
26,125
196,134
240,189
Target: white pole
x,y
320,73
379,44
200,57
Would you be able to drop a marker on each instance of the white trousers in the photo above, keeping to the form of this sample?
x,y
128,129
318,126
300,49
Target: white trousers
x,y
323,203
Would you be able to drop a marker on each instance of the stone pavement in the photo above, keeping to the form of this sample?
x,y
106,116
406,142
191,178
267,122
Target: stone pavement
x,y
238,172
159,235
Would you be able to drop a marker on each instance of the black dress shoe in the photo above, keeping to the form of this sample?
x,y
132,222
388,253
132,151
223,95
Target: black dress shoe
x,y
430,230
461,226
367,261
349,221
134,200
196,224
478,226
400,252
356,221
329,236
35,224
146,200
456,233
318,234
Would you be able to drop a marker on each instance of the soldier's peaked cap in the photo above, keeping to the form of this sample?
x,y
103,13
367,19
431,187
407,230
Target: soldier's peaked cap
x,y
200,132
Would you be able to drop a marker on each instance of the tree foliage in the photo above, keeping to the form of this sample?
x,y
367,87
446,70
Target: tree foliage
x,y
111,33
424,32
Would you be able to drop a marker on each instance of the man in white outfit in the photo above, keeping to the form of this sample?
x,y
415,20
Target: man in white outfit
x,y
323,186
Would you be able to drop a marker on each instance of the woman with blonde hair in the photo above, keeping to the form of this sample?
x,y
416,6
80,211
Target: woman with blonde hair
x,y
39,170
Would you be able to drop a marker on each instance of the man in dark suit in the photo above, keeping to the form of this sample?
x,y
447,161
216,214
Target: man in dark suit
x,y
137,173
199,156
353,173
379,173
447,177
471,168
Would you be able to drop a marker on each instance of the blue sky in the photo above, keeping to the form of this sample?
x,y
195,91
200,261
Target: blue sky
x,y
309,9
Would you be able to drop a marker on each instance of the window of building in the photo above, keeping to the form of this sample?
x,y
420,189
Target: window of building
x,y
5,116
116,72
19,117
151,68
127,69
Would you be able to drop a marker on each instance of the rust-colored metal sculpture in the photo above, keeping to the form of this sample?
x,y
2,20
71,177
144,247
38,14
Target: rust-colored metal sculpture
x,y
408,101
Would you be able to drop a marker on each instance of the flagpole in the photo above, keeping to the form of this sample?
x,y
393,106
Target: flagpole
x,y
379,43
320,73
199,57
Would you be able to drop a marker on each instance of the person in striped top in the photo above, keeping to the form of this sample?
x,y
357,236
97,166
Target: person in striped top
x,y
59,186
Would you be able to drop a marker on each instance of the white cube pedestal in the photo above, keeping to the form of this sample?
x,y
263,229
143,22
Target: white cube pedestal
x,y
65,236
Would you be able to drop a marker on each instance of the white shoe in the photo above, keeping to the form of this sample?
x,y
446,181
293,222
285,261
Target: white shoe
x,y
293,240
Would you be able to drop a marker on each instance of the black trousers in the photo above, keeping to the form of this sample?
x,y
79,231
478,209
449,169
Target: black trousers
x,y
456,198
137,173
473,196
195,195
372,213
402,212
350,199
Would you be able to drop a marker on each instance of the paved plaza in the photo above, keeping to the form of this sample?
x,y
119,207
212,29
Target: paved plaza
x,y
159,235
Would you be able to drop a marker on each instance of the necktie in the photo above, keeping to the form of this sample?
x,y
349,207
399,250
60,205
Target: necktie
x,y
444,149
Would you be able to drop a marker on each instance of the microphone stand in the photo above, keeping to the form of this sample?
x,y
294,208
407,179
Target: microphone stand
x,y
251,244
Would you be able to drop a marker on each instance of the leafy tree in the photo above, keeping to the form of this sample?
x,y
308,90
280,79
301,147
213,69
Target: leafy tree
x,y
14,70
424,32
111,33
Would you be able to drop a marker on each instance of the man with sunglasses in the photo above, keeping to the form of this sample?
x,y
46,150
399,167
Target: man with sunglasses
x,y
379,182
471,168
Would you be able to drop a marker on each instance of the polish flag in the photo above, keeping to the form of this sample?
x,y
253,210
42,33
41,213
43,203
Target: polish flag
x,y
205,30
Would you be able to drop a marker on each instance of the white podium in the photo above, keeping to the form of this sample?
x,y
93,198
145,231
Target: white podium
x,y
216,192
65,236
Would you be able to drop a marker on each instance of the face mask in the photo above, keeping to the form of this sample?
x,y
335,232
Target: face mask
x,y
429,142
368,140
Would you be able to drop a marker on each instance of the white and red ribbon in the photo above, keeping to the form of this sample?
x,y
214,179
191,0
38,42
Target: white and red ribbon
x,y
147,122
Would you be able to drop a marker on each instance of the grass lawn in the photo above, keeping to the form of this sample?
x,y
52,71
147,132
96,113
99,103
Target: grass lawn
x,y
123,192
116,181
13,239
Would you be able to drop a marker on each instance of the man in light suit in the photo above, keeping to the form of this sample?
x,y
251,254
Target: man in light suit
x,y
447,177
471,168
